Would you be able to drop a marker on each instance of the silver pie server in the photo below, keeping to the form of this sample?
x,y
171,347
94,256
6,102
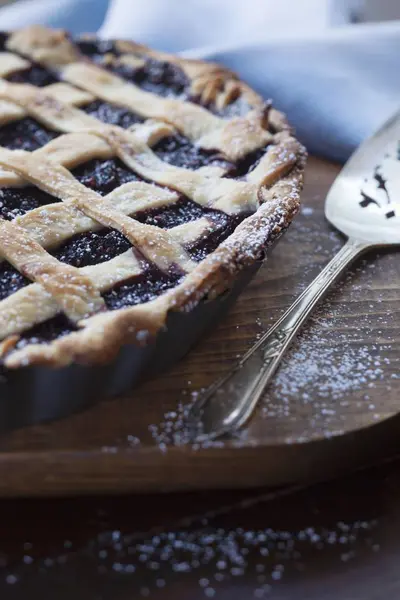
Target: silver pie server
x,y
364,204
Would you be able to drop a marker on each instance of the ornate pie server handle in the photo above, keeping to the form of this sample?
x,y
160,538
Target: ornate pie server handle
x,y
229,403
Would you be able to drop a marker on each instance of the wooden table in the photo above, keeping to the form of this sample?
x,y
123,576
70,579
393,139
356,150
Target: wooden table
x,y
332,540
338,381
336,540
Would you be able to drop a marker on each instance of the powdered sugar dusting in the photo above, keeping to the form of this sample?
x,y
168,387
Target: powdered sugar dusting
x,y
331,371
328,374
236,547
209,552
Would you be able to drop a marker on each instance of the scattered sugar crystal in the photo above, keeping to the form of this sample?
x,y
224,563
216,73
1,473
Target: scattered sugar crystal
x,y
307,211
48,562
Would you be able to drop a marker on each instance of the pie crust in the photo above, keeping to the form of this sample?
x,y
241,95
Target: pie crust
x,y
268,194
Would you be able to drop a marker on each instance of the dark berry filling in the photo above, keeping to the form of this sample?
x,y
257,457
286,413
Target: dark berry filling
x,y
104,176
15,202
159,77
222,227
25,134
138,290
96,48
11,280
162,78
114,115
183,211
92,248
35,75
50,330
246,164
179,151
3,39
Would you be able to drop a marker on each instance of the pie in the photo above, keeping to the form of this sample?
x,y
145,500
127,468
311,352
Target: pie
x,y
132,183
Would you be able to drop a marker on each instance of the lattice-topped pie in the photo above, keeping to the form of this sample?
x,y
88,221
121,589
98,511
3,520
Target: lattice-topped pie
x,y
132,183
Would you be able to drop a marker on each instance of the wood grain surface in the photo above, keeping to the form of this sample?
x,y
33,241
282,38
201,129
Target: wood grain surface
x,y
338,540
329,409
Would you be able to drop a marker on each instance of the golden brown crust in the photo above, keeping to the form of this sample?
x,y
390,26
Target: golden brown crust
x,y
271,189
210,82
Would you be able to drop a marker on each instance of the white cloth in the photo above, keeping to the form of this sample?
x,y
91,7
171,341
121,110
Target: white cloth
x,y
336,83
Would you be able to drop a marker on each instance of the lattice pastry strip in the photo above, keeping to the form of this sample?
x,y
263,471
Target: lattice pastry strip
x,y
228,195
10,63
84,137
71,150
234,138
46,108
151,316
54,179
61,92
47,46
35,303
72,291
80,222
62,117
53,224
210,82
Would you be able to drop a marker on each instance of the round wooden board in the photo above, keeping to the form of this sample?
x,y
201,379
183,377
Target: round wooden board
x,y
333,406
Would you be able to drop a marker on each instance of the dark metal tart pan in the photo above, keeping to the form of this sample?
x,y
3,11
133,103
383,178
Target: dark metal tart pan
x,y
35,394
139,193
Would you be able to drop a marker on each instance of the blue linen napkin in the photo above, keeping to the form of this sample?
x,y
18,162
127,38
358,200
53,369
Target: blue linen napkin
x,y
336,84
